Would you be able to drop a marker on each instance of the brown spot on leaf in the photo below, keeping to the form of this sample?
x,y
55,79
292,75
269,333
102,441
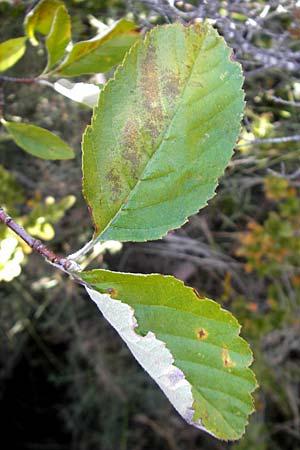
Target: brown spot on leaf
x,y
150,91
114,180
202,334
81,51
227,361
155,123
150,78
171,86
96,227
112,292
135,32
131,146
202,297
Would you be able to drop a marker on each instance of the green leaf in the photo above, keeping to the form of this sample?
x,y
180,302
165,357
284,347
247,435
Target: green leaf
x,y
59,37
162,133
188,344
101,53
11,51
40,18
38,142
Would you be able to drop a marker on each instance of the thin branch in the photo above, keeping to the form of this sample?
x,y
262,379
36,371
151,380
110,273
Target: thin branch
x,y
237,162
291,176
284,102
242,36
64,264
18,80
275,140
33,80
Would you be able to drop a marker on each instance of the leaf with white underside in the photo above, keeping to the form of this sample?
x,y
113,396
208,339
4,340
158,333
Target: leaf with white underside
x,y
188,345
38,141
11,51
162,134
86,93
101,53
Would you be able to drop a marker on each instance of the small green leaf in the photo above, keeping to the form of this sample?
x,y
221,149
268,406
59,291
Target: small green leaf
x,y
101,53
40,18
11,51
38,142
162,134
188,344
59,37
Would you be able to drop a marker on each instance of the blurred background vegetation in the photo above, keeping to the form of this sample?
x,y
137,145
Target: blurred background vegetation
x,y
67,380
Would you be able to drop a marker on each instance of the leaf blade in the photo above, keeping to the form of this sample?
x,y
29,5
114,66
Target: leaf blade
x,y
40,19
204,370
59,37
11,51
174,113
38,141
99,54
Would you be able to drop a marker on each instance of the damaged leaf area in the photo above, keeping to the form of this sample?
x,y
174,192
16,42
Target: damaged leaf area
x,y
162,134
188,345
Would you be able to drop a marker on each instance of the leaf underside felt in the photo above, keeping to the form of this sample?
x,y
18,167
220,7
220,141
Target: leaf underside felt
x,y
38,141
162,134
101,53
86,93
188,344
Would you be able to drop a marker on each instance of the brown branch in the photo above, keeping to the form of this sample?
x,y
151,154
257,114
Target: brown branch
x,y
64,264
19,80
32,80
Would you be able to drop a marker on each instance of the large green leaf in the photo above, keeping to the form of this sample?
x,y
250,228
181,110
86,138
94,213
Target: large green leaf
x,y
101,53
162,133
40,18
37,141
11,51
187,343
59,37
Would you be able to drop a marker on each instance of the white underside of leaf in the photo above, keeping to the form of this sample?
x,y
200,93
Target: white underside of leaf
x,y
86,93
151,353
